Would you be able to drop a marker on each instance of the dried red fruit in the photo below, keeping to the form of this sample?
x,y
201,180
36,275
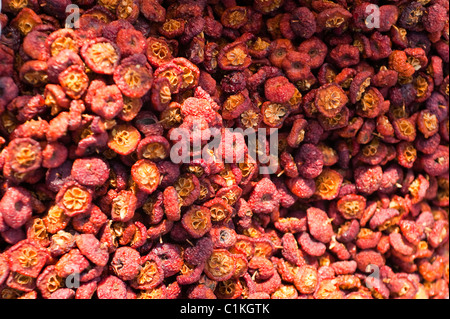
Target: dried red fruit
x,y
368,178
170,256
219,265
345,55
91,248
197,255
74,81
24,155
330,99
306,279
124,139
301,187
264,197
278,89
351,206
437,163
71,263
360,184
310,246
101,55
319,224
303,22
406,154
27,258
151,273
16,207
172,204
234,57
88,223
158,51
367,239
328,184
199,108
107,102
197,221
383,218
74,198
111,287
131,42
123,206
91,171
309,161
134,76
223,237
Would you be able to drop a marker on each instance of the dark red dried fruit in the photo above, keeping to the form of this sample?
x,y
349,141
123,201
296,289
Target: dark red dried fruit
x,y
134,76
123,139
107,102
91,248
74,199
219,266
197,221
101,55
90,171
111,287
27,258
355,93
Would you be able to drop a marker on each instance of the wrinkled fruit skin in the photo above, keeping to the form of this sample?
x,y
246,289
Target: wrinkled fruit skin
x,y
127,163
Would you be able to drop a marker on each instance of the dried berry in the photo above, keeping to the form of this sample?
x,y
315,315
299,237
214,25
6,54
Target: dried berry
x,y
219,266
303,22
301,187
328,184
124,139
234,57
170,256
146,174
24,155
310,246
107,102
111,287
151,273
91,248
27,258
278,89
101,55
133,76
188,188
16,207
74,199
71,263
330,99
437,163
197,221
90,171
306,279
368,178
354,93
309,161
158,51
264,197
351,206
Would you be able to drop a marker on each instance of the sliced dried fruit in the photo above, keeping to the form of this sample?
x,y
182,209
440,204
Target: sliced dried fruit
x,y
101,55
197,221
124,139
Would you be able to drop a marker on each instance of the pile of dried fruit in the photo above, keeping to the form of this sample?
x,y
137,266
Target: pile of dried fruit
x,y
93,205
